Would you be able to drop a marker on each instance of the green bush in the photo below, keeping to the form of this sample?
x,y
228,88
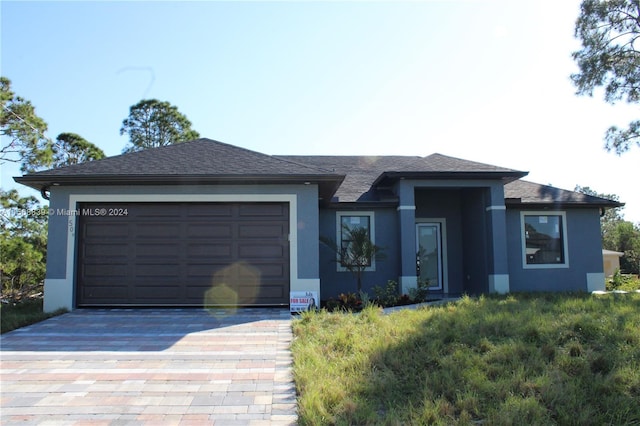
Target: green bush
x,y
624,282
344,302
420,293
387,295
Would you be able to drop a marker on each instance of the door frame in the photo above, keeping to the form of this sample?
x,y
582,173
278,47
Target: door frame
x,y
443,269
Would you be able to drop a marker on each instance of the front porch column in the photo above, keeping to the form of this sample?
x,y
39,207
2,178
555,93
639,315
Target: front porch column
x,y
498,266
407,221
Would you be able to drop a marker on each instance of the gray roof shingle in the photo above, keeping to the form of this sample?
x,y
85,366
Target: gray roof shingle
x,y
362,172
198,157
525,192
349,178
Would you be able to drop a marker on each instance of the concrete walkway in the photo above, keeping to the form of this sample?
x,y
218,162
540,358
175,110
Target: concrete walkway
x,y
150,366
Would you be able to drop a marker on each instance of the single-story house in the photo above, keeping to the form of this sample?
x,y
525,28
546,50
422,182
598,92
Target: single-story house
x,y
611,261
205,223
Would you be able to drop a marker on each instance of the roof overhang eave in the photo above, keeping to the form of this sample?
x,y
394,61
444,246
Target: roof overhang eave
x,y
328,183
557,205
506,176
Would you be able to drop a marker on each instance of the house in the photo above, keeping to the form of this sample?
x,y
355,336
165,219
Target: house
x,y
207,223
611,261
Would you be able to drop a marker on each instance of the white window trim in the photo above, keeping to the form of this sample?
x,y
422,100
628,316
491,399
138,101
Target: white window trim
x,y
565,240
372,230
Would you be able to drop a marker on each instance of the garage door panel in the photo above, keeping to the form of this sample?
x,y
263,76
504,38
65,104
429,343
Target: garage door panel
x,y
107,231
260,251
210,250
156,250
155,270
271,270
106,292
261,231
110,270
174,253
157,293
197,293
209,210
113,250
262,210
208,230
145,212
272,291
158,230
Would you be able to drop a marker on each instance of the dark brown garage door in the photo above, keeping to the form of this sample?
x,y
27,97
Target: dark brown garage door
x,y
183,254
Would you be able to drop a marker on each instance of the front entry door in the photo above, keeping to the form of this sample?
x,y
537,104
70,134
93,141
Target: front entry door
x,y
429,249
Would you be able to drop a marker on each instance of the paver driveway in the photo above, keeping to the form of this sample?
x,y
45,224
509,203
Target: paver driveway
x,y
150,366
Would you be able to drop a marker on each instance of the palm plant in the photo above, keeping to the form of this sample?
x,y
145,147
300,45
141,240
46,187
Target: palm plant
x,y
356,251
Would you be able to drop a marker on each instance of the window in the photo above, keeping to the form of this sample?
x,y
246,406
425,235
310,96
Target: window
x,y
544,239
350,221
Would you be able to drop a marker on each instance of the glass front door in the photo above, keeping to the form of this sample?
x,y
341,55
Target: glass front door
x,y
429,242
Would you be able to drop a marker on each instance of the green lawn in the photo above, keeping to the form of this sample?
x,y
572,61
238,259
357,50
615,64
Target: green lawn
x,y
23,314
517,359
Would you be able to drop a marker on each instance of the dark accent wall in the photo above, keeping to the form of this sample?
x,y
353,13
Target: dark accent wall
x,y
474,231
447,204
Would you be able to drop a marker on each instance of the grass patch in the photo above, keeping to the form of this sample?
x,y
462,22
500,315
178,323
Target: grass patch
x,y
516,359
24,313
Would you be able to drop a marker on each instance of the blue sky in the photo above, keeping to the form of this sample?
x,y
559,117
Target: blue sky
x,y
481,80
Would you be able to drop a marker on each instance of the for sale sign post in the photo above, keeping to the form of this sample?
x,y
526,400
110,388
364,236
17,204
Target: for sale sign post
x,y
301,301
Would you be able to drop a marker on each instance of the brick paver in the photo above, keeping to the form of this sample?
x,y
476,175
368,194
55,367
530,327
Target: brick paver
x,y
150,366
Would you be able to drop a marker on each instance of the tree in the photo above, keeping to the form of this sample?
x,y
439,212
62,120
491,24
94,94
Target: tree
x,y
71,148
609,30
611,215
23,244
357,254
26,141
625,238
617,233
24,131
152,123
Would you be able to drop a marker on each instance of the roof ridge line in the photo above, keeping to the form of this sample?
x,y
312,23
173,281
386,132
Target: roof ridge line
x,y
285,160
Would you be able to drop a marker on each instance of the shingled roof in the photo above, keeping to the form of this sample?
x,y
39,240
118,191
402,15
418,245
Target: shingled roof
x,y
345,178
203,157
365,174
197,161
532,194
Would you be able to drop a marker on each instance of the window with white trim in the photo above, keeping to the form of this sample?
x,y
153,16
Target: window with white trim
x,y
544,237
351,220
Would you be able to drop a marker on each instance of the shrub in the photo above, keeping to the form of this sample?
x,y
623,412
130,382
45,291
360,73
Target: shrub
x,y
624,282
420,293
344,302
387,296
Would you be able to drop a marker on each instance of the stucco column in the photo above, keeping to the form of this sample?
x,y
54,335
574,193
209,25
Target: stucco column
x,y
407,222
496,217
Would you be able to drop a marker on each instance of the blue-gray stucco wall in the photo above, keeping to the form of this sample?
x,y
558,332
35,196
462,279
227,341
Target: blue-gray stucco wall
x,y
584,254
57,234
334,282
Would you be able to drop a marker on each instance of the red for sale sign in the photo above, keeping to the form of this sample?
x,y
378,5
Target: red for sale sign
x,y
301,301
